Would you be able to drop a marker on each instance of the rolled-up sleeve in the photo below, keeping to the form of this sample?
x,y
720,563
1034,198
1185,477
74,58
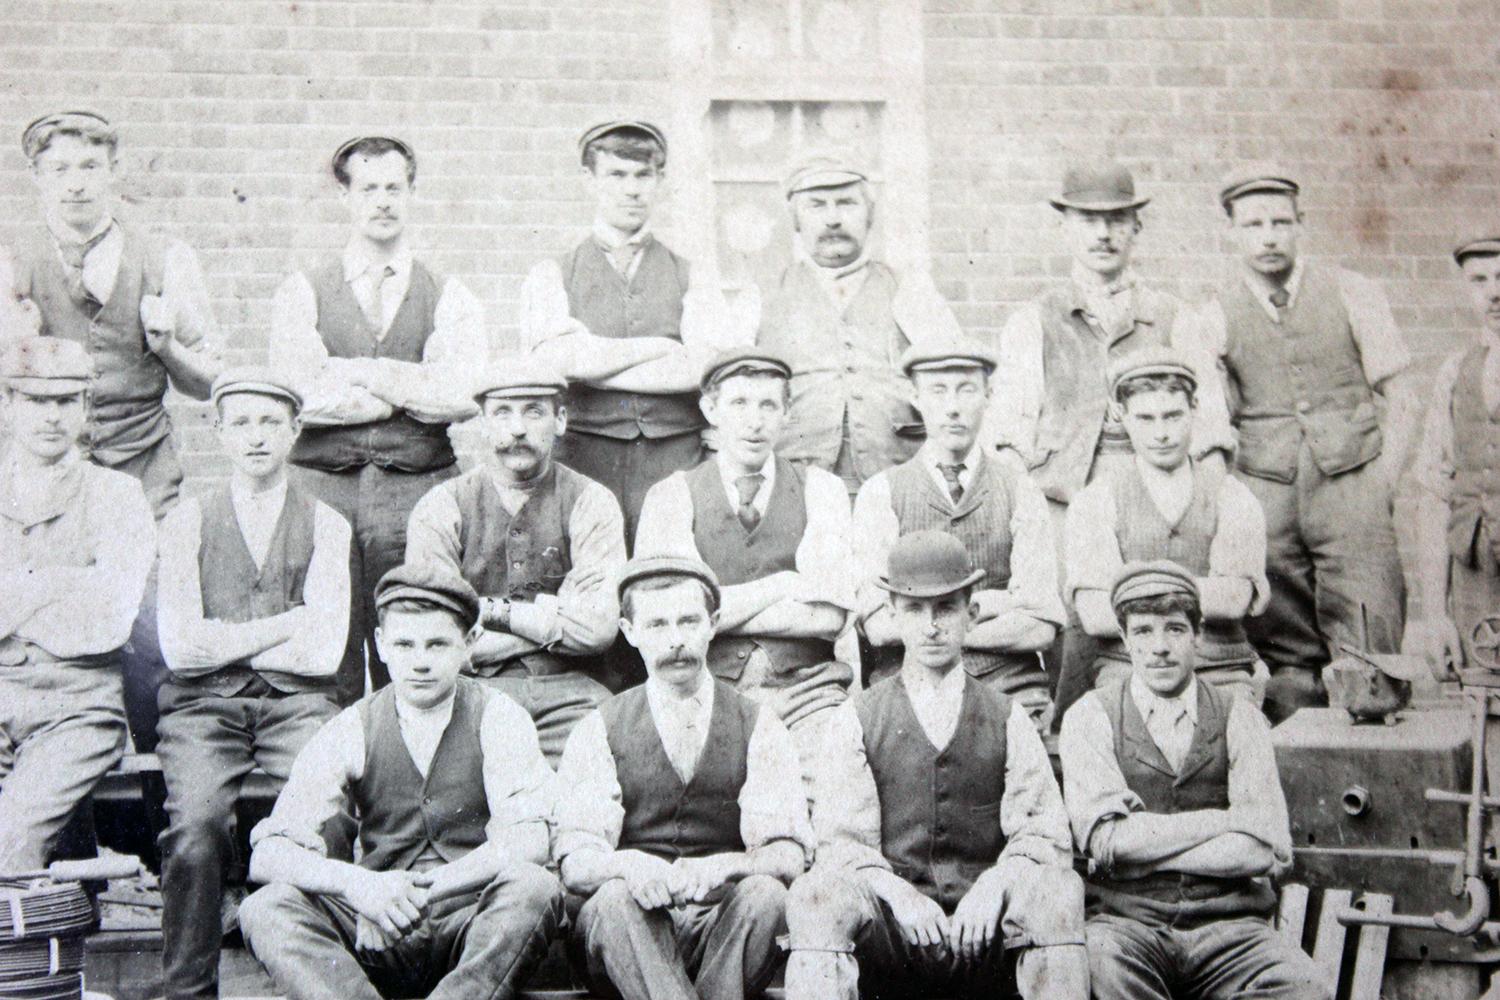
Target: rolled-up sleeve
x,y
184,288
1094,787
846,802
1016,400
1433,468
1033,558
772,803
318,647
298,352
1032,815
920,310
1196,339
545,312
1238,549
518,784
588,813
1090,546
318,787
1382,350
587,614
1257,805
826,554
665,527
876,527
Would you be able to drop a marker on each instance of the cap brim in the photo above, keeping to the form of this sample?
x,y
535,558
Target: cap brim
x,y
1269,186
47,386
258,389
470,615
519,391
824,179
1097,206
932,590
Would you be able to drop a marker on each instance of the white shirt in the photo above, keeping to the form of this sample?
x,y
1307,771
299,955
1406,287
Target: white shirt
x,y
682,721
257,514
422,729
935,461
1170,721
936,702
730,477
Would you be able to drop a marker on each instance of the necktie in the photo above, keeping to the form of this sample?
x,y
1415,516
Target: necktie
x,y
73,256
748,487
950,476
1279,298
374,307
1182,736
689,741
621,257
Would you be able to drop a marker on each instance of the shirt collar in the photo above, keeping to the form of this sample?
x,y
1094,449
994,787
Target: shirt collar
x,y
45,497
243,495
358,260
833,273
1149,702
64,234
435,717
611,238
1085,283
1262,292
663,699
728,475
919,682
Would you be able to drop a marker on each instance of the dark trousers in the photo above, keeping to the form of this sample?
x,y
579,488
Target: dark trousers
x,y
725,950
628,468
208,745
377,503
481,946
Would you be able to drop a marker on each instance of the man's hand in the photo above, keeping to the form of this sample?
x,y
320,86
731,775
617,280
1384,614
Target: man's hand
x,y
159,319
922,921
1212,461
392,901
369,937
697,879
1434,639
648,878
971,929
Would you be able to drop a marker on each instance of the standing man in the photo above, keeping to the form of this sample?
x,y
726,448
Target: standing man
x,y
381,348
956,485
78,542
842,318
448,899
253,609
1172,789
777,537
1165,505
628,323
138,304
543,546
676,819
1308,351
943,841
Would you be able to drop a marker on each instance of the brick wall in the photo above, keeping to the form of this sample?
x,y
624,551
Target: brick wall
x,y
228,109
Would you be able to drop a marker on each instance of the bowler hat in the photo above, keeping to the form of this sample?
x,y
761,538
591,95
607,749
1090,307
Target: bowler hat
x,y
1098,187
928,564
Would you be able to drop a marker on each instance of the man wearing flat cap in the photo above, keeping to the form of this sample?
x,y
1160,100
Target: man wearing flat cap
x,y
1166,505
543,546
777,537
1173,793
986,499
629,324
842,317
676,819
1455,575
253,610
943,850
78,542
381,348
449,897
1320,384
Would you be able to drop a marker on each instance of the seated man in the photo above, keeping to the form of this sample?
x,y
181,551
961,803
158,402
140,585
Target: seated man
x,y
943,843
78,541
1167,505
956,485
676,819
449,898
777,537
542,544
253,611
1172,789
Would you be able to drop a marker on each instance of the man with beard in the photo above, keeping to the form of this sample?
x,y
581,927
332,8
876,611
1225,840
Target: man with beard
x,y
380,347
842,319
542,545
677,820
1309,350
777,537
954,484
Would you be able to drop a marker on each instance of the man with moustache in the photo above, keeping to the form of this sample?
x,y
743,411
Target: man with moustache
x,y
842,318
955,484
676,819
78,542
1167,506
253,609
381,348
628,322
777,537
943,849
1310,351
1172,789
542,545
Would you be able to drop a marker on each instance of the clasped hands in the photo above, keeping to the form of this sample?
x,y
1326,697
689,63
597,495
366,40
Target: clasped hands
x,y
656,883
389,906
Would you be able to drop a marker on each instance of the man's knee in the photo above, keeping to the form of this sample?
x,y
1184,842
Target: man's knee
x,y
761,897
198,838
611,901
531,888
823,909
1294,976
1051,906
264,913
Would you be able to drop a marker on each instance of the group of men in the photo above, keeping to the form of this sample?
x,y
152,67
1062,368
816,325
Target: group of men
x,y
1135,523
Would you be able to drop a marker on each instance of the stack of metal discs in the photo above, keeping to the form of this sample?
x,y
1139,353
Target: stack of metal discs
x,y
42,928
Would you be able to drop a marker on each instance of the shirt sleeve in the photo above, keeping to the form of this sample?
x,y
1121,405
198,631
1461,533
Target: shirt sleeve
x,y
318,647
1016,398
318,787
1257,806
1094,787
1238,549
1091,548
435,390
544,311
588,812
876,526
773,805
1194,339
1382,350
12,321
920,310
518,784
1033,557
298,352
1433,467
432,531
186,291
665,526
846,803
1032,815
586,611
707,320
826,555
179,594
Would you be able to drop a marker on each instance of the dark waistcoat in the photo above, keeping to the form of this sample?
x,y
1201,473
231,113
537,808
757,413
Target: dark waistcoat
x,y
1475,503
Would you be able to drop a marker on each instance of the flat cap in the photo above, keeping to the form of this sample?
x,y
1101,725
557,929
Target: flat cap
x,y
928,564
743,361
621,124
823,170
646,567
1097,187
518,375
427,581
90,125
255,379
1157,578
1253,178
1485,246
947,353
1149,361
46,366
340,155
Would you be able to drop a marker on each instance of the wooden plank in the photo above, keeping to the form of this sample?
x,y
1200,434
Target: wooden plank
x,y
1291,919
1369,958
1328,948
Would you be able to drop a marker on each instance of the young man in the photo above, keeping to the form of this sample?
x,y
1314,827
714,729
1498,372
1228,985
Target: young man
x,y
1165,505
381,348
78,542
943,841
252,613
139,305
777,537
542,545
1307,349
957,485
449,898
1172,789
842,318
628,323
676,818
